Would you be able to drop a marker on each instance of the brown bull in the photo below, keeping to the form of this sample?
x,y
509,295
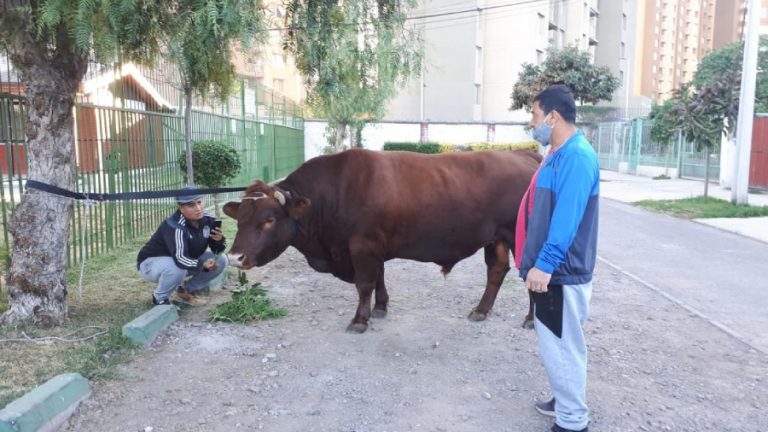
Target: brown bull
x,y
350,212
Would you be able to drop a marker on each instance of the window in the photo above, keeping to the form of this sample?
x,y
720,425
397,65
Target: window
x,y
542,25
278,85
623,50
278,60
621,76
624,21
478,57
477,94
539,57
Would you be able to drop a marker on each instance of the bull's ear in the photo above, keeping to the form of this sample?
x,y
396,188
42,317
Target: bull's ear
x,y
299,207
231,208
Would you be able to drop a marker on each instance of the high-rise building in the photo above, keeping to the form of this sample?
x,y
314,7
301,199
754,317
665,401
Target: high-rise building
x,y
764,18
474,51
268,63
618,45
730,22
673,37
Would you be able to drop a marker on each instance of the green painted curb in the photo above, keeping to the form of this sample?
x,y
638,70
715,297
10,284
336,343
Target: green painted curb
x,y
46,407
148,325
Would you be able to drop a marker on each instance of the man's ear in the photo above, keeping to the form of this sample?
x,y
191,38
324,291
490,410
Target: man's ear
x,y
231,208
554,115
299,207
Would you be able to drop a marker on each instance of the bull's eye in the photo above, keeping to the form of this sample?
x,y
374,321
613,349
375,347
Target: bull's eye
x,y
268,223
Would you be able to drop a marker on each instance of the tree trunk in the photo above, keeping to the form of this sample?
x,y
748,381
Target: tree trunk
x,y
36,280
187,134
341,135
706,175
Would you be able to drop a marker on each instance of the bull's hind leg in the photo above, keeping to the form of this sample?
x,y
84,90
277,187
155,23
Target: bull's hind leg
x,y
382,297
528,321
497,260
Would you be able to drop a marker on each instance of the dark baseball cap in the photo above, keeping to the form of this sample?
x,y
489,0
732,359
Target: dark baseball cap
x,y
192,196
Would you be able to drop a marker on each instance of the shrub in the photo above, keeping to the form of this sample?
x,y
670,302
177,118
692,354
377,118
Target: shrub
x,y
213,162
418,147
487,146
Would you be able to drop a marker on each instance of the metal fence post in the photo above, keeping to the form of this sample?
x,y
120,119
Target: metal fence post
x,y
679,154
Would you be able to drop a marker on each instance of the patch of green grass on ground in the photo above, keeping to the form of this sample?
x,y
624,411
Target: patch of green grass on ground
x,y
112,295
700,207
251,304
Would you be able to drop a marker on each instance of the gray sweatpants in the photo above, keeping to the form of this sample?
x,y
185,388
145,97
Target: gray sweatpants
x,y
168,276
565,358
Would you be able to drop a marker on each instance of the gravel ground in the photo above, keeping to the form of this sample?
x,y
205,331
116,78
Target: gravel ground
x,y
425,367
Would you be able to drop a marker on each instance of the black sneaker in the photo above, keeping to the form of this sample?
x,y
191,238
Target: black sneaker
x,y
546,408
556,428
156,302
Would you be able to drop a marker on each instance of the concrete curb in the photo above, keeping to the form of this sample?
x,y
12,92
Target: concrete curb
x,y
46,407
145,328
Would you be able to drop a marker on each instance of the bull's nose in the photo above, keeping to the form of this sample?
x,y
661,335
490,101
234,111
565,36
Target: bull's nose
x,y
236,260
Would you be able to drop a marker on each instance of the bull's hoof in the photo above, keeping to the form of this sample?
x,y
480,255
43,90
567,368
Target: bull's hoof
x,y
477,316
528,324
357,328
378,313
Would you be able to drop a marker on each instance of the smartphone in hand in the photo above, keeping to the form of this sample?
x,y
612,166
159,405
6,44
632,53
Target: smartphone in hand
x,y
216,224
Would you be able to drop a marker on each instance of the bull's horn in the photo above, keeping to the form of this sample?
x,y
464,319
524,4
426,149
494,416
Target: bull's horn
x,y
280,197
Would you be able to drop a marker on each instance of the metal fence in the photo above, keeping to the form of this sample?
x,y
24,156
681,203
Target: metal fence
x,y
129,136
628,147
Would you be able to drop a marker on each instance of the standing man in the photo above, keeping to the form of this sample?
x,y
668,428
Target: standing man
x,y
179,248
557,232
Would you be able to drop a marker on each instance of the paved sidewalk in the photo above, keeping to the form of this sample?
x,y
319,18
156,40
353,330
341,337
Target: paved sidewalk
x,y
631,188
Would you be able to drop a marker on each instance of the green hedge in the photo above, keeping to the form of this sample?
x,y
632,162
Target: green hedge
x,y
433,147
418,147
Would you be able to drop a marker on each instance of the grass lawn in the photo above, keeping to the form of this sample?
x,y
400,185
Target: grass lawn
x,y
113,294
700,207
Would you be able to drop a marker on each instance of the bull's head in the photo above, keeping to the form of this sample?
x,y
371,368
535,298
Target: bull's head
x,y
267,222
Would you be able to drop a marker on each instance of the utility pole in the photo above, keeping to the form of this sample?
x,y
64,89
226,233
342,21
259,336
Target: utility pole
x,y
740,187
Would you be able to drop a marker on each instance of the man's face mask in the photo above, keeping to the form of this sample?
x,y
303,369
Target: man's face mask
x,y
543,133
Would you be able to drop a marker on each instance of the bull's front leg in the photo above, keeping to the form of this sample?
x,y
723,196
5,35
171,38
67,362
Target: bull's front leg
x,y
497,260
367,269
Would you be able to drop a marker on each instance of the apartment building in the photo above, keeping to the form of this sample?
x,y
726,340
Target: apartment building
x,y
617,51
730,23
673,37
764,18
268,64
474,50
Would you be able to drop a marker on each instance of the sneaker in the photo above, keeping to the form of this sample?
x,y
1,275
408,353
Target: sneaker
x,y
556,428
157,302
546,408
183,296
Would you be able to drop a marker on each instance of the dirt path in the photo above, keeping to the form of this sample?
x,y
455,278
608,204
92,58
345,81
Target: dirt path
x,y
653,367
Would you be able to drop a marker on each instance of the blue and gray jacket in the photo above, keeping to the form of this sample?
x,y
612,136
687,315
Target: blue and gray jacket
x,y
561,228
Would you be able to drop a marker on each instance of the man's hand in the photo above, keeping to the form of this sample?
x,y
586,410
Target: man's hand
x,y
210,265
216,234
537,280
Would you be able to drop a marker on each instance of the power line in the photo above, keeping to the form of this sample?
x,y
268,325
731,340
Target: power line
x,y
441,14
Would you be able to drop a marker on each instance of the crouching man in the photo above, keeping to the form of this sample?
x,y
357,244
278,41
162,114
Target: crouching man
x,y
179,248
